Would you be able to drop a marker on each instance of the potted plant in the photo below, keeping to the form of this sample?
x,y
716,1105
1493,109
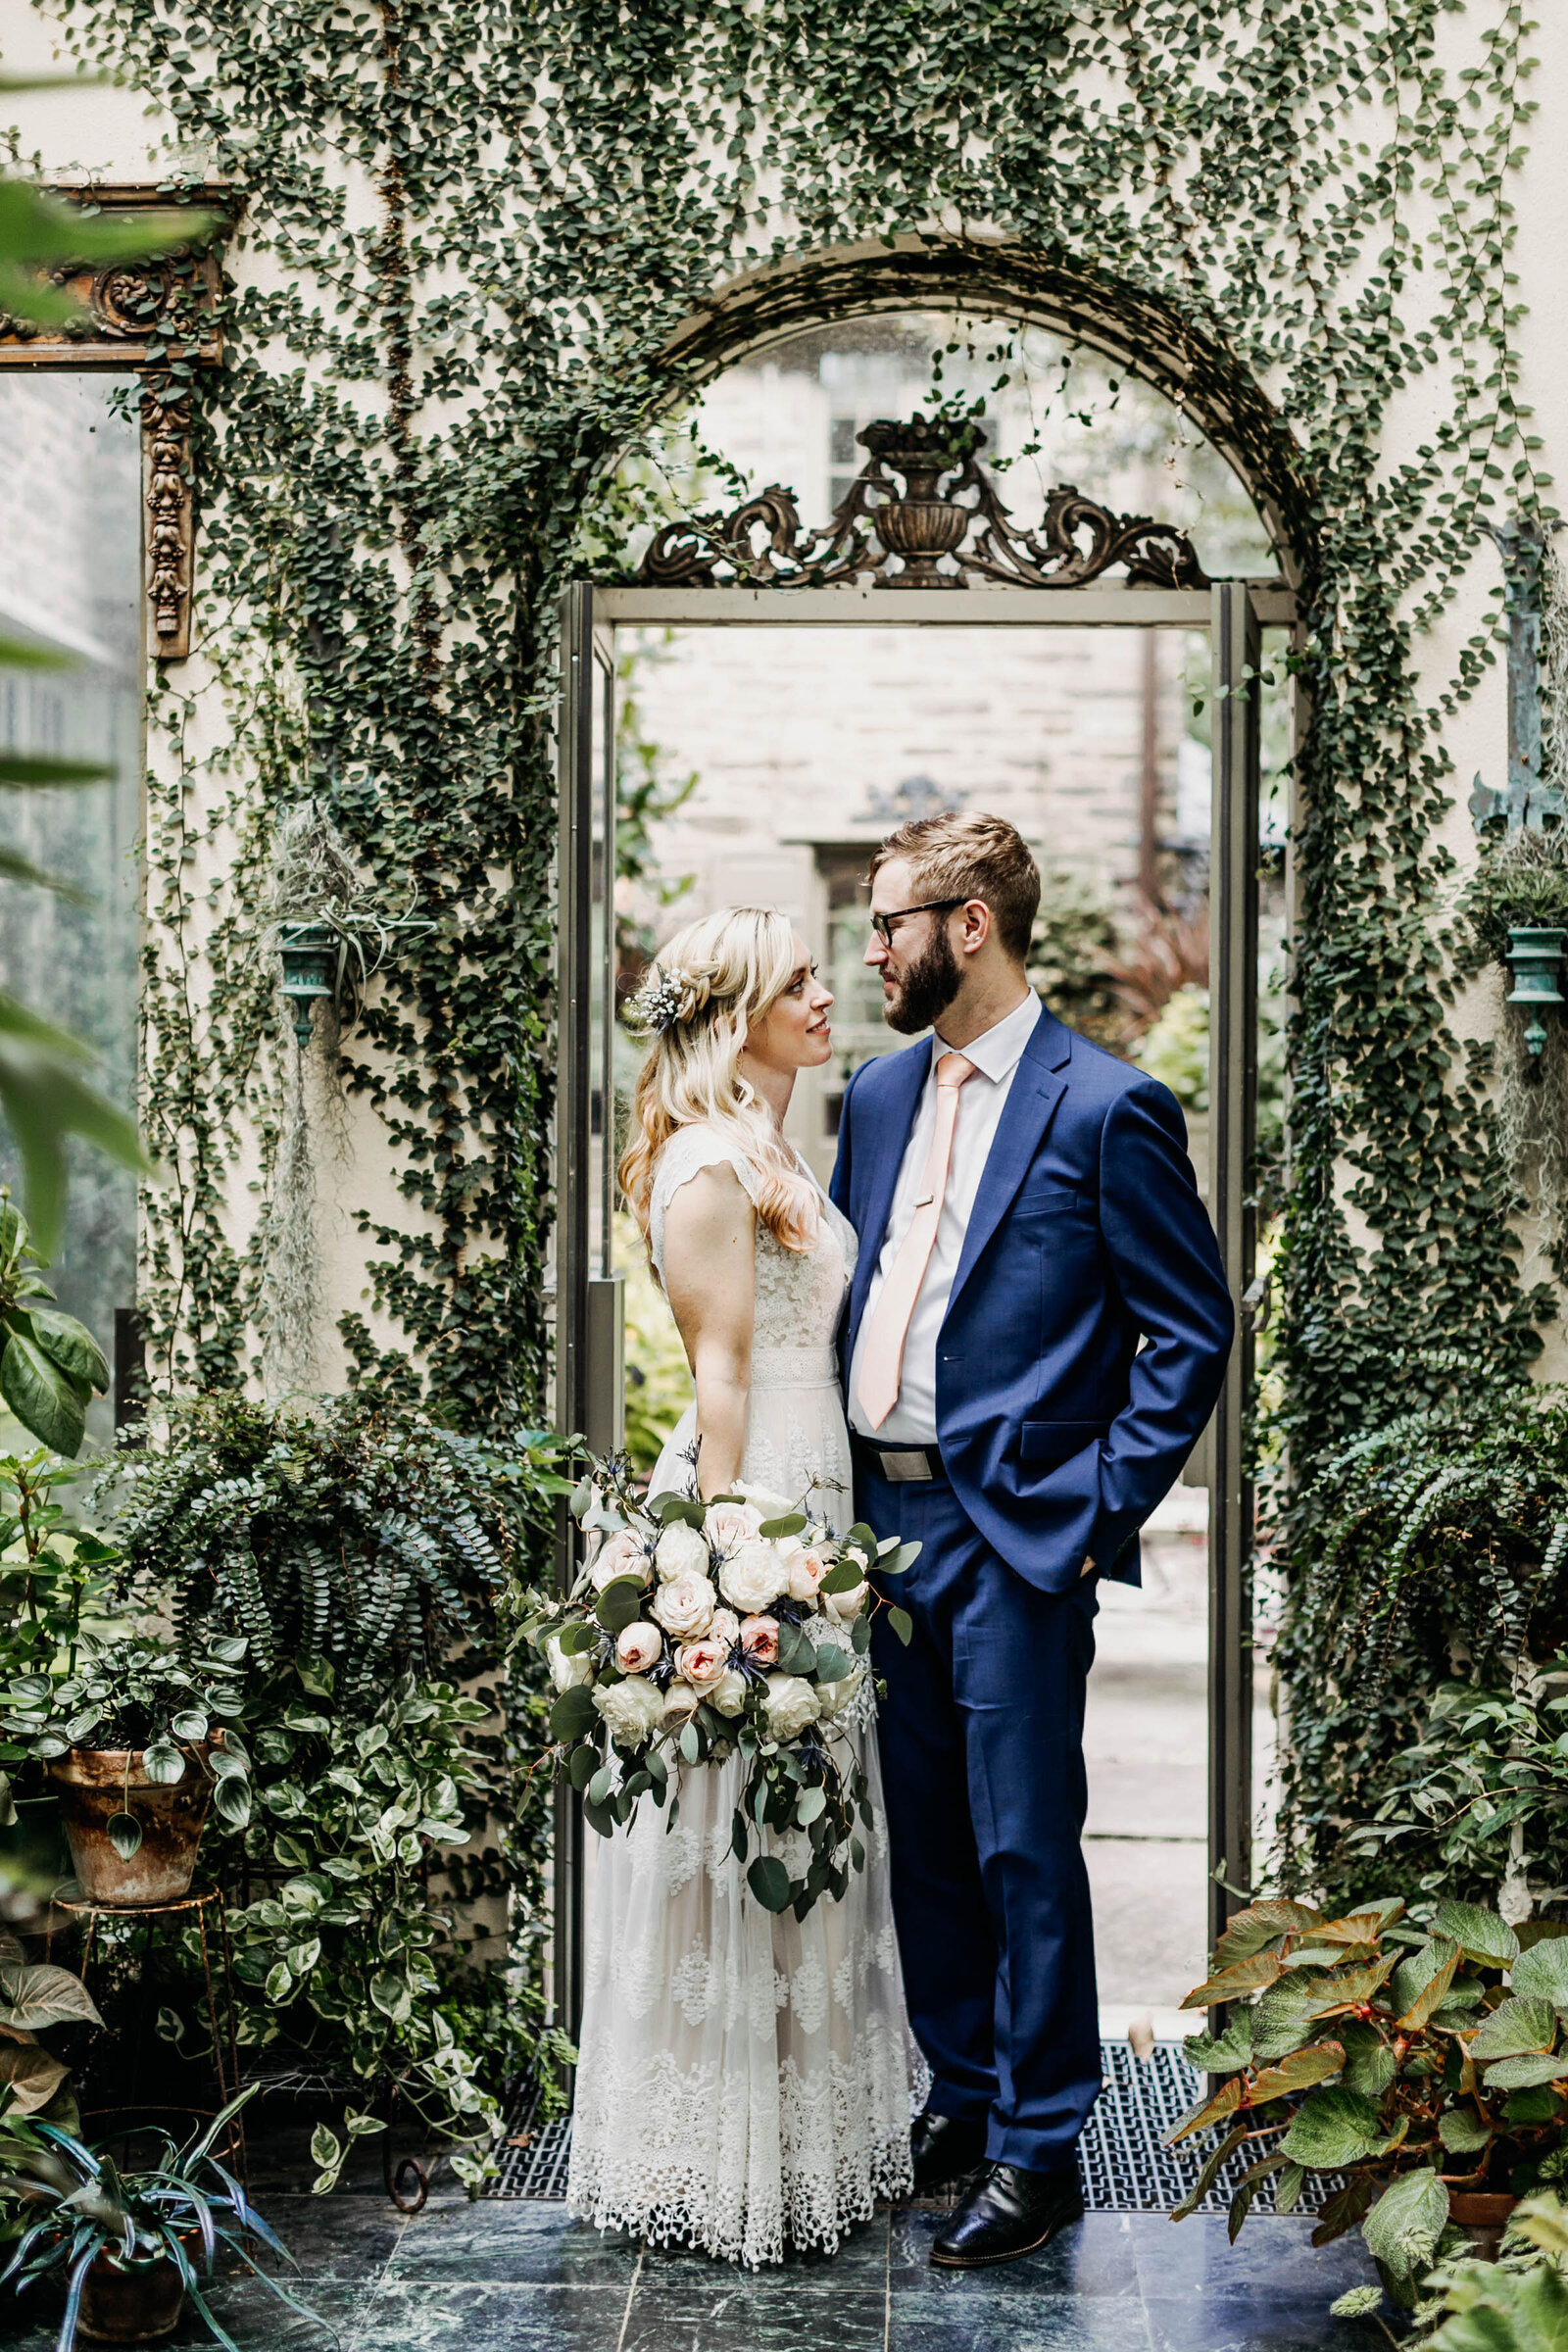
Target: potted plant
x,y
135,1800
49,1364
1425,2065
129,2246
33,1999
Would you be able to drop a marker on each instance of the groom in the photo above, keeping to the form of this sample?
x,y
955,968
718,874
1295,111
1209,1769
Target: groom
x,y
1036,1335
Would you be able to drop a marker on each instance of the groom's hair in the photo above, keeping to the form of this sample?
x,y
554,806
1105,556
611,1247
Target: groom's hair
x,y
963,856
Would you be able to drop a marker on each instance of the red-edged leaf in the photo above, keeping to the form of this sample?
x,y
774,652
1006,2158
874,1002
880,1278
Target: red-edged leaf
x,y
1299,2071
1262,1925
1207,2111
1354,1985
1431,1996
1247,1976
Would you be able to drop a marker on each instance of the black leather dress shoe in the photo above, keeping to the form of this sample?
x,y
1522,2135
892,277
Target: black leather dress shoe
x,y
945,2147
1009,2212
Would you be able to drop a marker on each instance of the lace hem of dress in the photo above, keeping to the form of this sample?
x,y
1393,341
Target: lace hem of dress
x,y
840,2154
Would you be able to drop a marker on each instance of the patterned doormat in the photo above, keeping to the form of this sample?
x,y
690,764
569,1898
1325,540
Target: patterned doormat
x,y
1126,2167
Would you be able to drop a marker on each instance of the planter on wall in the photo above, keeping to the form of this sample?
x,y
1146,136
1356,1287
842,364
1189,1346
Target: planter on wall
x,y
97,1784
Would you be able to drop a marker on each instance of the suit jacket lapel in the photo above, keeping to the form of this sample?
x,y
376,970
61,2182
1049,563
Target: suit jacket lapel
x,y
881,1155
1038,1086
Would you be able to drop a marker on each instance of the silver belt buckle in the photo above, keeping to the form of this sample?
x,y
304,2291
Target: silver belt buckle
x,y
904,1469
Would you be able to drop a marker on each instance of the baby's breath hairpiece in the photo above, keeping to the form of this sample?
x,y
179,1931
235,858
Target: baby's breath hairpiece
x,y
663,1000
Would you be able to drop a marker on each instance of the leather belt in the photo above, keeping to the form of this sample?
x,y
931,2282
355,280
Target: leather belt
x,y
905,1465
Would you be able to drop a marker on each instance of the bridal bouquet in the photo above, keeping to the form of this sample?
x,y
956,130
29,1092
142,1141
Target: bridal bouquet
x,y
697,1632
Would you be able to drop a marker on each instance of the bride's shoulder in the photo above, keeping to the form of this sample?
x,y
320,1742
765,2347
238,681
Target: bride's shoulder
x,y
685,1153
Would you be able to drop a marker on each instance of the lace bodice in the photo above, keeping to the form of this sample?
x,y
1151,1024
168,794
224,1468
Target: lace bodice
x,y
800,1294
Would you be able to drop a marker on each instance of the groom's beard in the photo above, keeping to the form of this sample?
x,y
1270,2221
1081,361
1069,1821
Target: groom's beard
x,y
927,989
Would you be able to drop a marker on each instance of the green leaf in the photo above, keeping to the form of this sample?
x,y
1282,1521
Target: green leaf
x,y
40,1396
1295,2072
70,1344
1513,2027
573,1713
581,1765
1332,2128
691,1745
1229,2051
1205,2111
31,1999
600,1787
834,1665
1523,2074
844,1578
769,1881
808,1804
1434,1992
1402,2228
164,1764
1200,2188
573,1640
188,1726
793,1523
1479,1934
279,1984
123,1831
1542,1972
1260,1926
1288,2189
1252,1974
327,2154
901,1623
231,1801
1461,2132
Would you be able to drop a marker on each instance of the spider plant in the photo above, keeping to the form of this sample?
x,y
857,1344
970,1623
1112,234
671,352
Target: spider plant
x,y
174,2213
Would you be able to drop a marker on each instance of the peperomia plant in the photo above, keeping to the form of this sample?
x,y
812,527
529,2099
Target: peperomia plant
x,y
138,1695
49,1364
1412,2060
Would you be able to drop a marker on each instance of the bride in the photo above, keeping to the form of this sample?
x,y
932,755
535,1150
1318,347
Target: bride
x,y
746,2081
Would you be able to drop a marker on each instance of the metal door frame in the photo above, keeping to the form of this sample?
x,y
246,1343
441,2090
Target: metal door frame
x,y
1233,613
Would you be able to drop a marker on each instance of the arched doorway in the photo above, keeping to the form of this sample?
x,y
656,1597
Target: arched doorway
x,y
760,570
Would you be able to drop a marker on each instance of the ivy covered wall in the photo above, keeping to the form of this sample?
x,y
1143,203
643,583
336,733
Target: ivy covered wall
x,y
485,243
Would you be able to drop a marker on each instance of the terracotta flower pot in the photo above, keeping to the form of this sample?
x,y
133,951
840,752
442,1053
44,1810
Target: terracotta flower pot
x,y
137,2306
97,1782
1485,2213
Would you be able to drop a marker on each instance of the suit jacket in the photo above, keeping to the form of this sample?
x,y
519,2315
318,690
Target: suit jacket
x,y
1059,1431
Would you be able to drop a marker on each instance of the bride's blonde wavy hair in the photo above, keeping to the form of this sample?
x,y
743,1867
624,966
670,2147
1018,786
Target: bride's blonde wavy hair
x,y
711,984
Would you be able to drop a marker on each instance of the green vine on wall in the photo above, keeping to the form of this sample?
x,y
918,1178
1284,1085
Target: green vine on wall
x,y
413,444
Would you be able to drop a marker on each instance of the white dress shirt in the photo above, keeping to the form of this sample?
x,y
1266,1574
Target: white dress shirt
x,y
981,1101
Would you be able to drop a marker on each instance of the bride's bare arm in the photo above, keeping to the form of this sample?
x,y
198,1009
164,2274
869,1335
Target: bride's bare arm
x,y
709,1278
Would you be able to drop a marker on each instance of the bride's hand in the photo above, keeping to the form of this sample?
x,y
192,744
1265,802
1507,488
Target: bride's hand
x,y
710,1282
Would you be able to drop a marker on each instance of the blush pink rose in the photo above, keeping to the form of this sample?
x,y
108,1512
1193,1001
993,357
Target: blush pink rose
x,y
760,1639
637,1648
729,1525
807,1571
621,1554
725,1626
701,1664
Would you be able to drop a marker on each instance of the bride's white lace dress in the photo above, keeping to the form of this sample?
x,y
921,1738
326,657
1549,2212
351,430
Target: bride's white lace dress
x,y
746,2081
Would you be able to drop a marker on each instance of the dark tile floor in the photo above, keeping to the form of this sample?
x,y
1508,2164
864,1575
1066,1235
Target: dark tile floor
x,y
522,2278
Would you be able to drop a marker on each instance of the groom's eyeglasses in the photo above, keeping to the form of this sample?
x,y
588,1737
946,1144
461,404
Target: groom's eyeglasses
x,y
882,925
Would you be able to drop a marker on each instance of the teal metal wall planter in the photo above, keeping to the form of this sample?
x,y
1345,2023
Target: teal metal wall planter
x,y
312,956
1534,958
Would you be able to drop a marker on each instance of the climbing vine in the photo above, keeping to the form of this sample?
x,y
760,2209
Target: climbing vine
x,y
471,228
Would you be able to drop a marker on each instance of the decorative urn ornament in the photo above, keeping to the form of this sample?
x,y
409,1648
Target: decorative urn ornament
x,y
1535,958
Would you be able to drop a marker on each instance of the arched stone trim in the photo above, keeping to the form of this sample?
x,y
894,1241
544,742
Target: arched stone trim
x,y
1000,277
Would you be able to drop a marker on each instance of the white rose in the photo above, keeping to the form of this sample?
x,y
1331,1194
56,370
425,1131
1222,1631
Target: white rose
x,y
833,1698
684,1605
791,1706
637,1648
679,1704
771,1506
565,1671
728,1694
847,1607
726,1628
621,1556
807,1571
729,1525
755,1578
680,1550
633,1710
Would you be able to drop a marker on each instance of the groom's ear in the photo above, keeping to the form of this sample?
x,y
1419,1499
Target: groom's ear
x,y
978,926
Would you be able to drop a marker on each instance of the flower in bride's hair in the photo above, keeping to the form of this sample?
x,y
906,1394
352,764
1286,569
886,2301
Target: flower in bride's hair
x,y
729,1525
565,1668
833,1698
791,1703
702,1664
760,1639
755,1576
638,1647
668,997
633,1710
680,1547
684,1605
729,1693
621,1554
807,1571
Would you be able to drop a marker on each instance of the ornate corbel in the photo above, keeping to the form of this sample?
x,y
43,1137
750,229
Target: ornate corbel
x,y
141,315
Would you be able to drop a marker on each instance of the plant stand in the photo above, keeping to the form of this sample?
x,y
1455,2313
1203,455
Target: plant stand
x,y
225,2047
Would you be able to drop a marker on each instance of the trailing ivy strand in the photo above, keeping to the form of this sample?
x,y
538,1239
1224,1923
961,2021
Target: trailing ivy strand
x,y
1288,214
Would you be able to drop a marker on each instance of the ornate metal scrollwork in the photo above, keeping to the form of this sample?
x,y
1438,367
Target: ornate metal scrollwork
x,y
923,512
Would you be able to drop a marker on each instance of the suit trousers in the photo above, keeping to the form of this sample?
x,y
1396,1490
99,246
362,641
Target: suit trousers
x,y
982,1755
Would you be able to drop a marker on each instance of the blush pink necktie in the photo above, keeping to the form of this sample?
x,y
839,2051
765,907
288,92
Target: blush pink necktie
x,y
882,1364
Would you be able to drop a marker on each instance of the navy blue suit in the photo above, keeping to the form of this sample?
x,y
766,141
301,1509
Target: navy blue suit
x,y
1081,1354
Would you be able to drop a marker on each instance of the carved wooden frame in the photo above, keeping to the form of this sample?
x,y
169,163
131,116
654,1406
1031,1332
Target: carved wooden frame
x,y
133,316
